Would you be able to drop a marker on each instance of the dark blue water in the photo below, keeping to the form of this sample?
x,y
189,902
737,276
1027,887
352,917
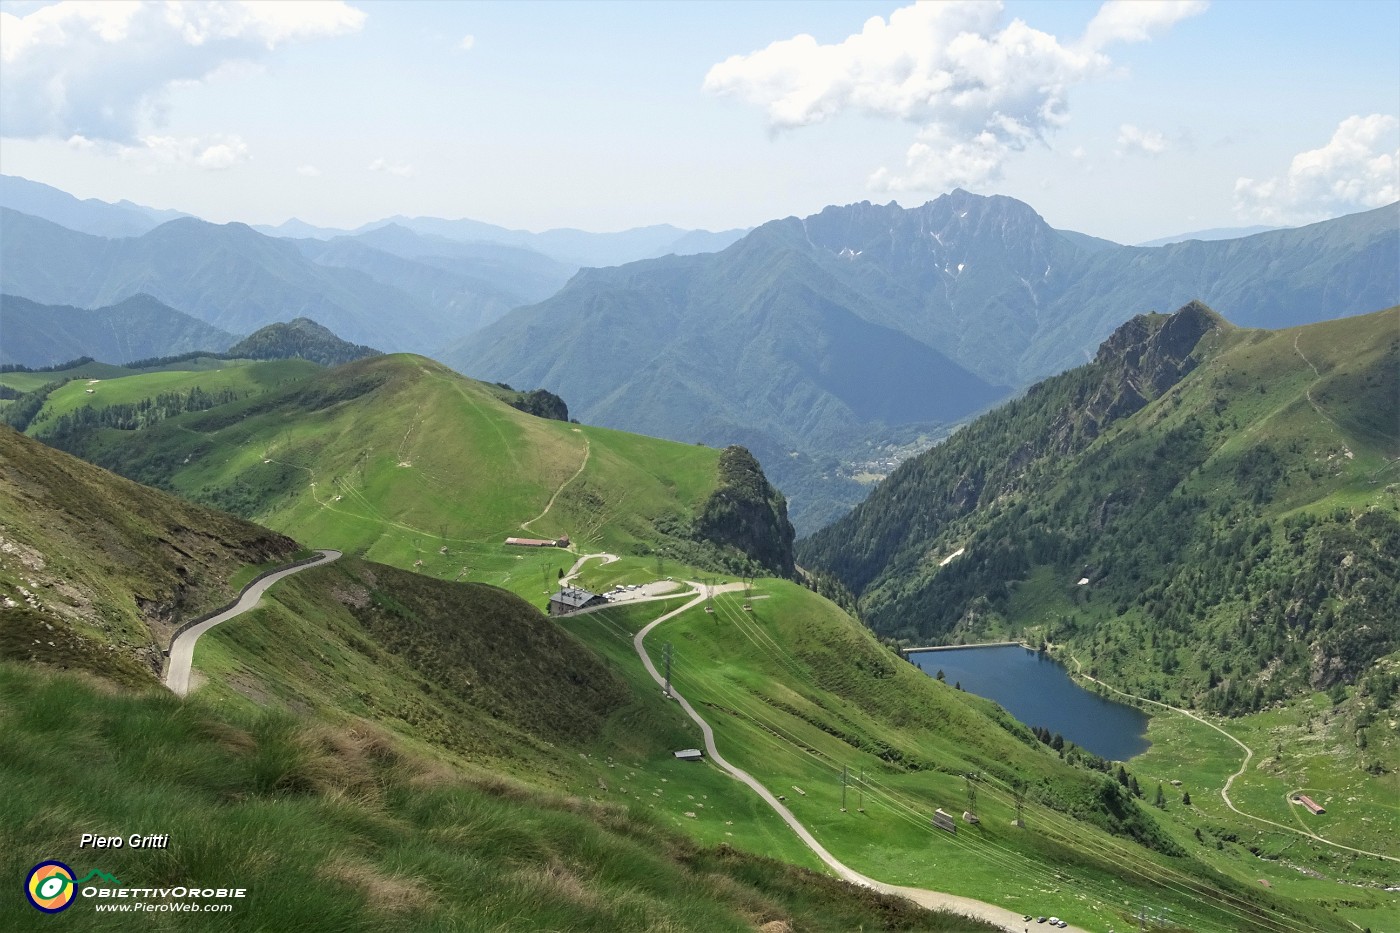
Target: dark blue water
x,y
1039,692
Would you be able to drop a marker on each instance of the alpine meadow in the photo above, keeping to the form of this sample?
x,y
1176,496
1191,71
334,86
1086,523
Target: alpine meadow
x,y
700,467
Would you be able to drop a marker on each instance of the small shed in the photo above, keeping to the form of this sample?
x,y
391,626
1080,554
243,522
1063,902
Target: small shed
x,y
944,821
572,599
1308,802
690,754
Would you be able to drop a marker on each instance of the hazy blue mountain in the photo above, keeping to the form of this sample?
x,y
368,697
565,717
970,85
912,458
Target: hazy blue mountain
x,y
137,328
1214,233
98,218
1283,278
226,275
565,246
524,274
299,229
462,294
1084,241
765,344
577,247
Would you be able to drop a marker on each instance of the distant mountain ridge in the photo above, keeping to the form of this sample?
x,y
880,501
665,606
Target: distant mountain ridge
x,y
238,280
135,328
565,245
90,215
832,335
1213,233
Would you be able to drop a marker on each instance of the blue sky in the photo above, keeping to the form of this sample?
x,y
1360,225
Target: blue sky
x,y
1155,120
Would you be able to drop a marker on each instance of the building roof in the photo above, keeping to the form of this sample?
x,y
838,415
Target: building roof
x,y
688,753
574,597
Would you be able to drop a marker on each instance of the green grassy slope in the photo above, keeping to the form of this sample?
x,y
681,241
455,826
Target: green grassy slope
x,y
795,686
466,673
796,694
401,460
476,678
353,733
96,571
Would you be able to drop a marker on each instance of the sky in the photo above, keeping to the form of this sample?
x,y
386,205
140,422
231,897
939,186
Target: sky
x,y
1125,120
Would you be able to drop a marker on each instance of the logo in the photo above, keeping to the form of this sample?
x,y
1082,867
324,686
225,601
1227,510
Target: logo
x,y
50,887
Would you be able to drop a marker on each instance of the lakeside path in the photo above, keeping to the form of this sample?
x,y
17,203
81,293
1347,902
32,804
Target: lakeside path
x,y
177,674
933,900
1244,766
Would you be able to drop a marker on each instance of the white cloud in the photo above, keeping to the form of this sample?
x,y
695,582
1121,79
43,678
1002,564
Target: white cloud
x,y
212,153
308,171
399,169
1132,140
937,162
100,69
1358,168
978,91
467,44
1137,20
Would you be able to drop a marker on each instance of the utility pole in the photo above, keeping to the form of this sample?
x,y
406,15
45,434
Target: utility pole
x,y
971,778
845,779
1020,799
666,657
860,792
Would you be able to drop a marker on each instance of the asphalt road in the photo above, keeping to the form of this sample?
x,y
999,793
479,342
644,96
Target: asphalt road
x,y
177,674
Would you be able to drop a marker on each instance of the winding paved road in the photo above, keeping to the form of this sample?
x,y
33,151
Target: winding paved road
x,y
933,900
177,674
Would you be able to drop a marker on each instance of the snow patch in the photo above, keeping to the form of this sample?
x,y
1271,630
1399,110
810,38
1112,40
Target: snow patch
x,y
951,557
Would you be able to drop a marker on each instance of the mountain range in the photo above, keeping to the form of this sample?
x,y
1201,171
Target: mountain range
x,y
819,341
832,346
1213,233
565,246
135,328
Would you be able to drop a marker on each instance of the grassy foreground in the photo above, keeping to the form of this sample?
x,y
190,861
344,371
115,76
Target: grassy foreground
x,y
341,829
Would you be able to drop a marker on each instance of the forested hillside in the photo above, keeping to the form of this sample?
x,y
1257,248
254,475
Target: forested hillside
x,y
1208,512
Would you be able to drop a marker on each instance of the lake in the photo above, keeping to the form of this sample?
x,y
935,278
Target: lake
x,y
1039,692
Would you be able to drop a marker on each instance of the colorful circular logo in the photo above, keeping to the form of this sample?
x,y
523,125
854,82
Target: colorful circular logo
x,y
49,887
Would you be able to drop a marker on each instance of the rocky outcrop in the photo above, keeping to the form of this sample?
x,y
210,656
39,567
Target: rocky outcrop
x,y
746,513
